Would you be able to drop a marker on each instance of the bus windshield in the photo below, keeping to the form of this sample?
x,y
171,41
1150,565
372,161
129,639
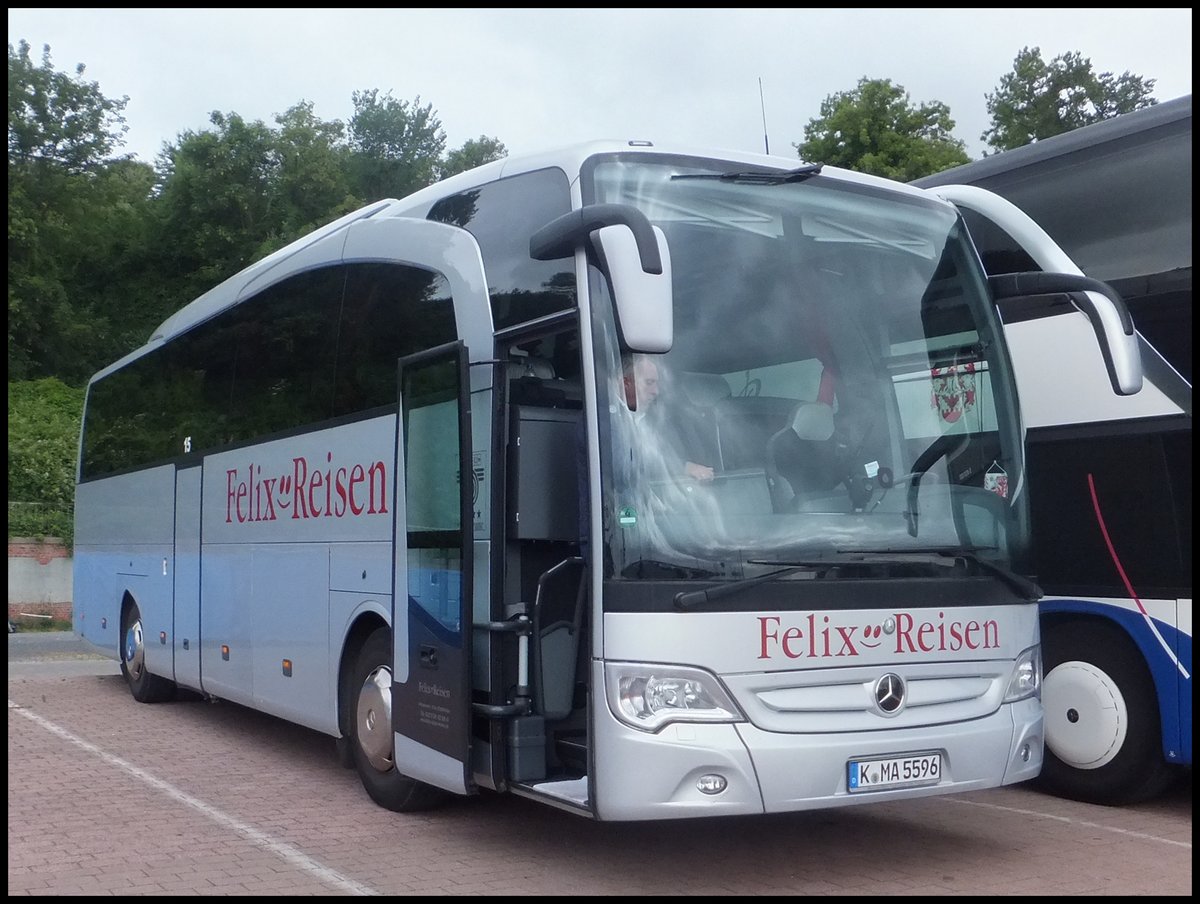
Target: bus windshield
x,y
835,387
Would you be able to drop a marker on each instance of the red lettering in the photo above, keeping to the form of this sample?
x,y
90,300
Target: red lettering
x,y
788,636
922,632
300,476
357,489
932,636
764,636
242,492
847,633
904,624
328,486
313,499
269,486
378,470
229,478
956,638
341,491
357,475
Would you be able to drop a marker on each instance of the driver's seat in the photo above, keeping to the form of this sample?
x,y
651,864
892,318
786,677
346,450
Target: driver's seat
x,y
797,459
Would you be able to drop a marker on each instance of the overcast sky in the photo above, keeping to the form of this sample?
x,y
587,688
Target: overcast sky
x,y
536,79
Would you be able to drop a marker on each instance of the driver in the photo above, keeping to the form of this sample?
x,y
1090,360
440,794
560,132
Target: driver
x,y
640,389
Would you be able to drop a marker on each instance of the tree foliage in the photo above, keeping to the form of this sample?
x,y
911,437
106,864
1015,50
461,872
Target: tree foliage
x,y
1037,99
398,145
474,152
59,118
74,213
43,432
876,129
232,194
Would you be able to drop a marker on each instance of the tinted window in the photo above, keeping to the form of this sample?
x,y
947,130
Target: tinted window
x,y
502,216
390,310
286,345
292,356
1142,484
125,426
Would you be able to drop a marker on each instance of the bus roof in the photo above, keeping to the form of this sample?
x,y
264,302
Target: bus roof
x,y
570,158
1116,195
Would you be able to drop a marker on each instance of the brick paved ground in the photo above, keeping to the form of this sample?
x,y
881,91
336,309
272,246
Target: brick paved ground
x,y
107,796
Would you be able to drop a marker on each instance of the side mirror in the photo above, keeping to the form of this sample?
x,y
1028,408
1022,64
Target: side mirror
x,y
634,255
644,300
1102,306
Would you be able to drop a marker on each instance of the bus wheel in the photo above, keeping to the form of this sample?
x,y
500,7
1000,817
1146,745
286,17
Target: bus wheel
x,y
371,732
146,688
1103,733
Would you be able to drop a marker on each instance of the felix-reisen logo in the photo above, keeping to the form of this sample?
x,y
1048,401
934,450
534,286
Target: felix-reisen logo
x,y
820,637
305,491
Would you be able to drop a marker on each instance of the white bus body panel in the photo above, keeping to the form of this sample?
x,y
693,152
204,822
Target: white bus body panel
x,y
1058,368
804,682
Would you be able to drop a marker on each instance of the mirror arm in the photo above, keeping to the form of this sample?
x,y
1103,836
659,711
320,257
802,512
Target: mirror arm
x,y
1020,285
560,237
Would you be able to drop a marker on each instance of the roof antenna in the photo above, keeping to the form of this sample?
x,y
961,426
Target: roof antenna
x,y
766,146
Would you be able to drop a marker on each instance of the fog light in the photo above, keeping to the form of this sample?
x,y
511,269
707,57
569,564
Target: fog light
x,y
1025,753
711,784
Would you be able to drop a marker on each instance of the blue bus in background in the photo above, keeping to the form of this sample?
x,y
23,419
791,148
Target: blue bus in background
x,y
1110,476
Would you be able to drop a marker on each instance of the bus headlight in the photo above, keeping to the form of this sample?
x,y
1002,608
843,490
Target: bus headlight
x,y
651,696
1026,679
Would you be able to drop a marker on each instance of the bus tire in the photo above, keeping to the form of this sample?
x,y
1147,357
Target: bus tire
x,y
1103,731
370,695
145,687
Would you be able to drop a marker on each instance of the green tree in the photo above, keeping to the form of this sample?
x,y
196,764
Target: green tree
x,y
59,118
234,193
74,210
876,129
474,152
43,433
215,201
397,145
1037,99
314,179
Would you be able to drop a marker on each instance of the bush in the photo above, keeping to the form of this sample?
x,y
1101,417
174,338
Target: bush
x,y
43,445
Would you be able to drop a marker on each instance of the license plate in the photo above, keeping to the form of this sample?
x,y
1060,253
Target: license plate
x,y
905,771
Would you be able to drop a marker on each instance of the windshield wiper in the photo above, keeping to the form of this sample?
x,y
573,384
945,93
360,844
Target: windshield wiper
x,y
799,174
654,568
1024,587
688,599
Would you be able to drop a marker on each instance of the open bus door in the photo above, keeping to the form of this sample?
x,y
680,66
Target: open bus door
x,y
431,691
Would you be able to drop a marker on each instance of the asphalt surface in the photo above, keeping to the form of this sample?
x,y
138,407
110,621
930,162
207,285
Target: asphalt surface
x,y
110,797
44,653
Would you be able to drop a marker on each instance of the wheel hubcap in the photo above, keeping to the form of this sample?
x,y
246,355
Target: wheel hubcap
x,y
374,714
135,651
1086,715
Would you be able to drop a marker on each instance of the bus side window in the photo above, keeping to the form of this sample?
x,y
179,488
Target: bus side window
x,y
502,215
390,310
284,346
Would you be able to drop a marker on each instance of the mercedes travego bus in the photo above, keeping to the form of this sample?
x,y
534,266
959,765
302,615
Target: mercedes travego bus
x,y
1110,476
644,482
